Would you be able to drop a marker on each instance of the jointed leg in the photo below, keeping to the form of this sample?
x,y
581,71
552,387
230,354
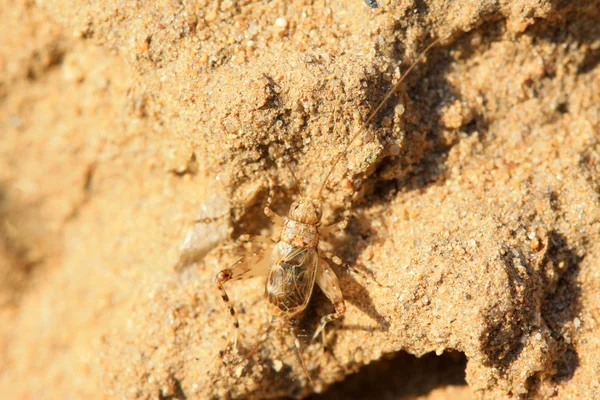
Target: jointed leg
x,y
244,268
337,261
265,240
340,225
336,226
209,220
329,284
277,219
329,256
251,353
299,350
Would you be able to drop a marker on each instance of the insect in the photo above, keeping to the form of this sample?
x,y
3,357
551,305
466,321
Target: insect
x,y
295,263
372,3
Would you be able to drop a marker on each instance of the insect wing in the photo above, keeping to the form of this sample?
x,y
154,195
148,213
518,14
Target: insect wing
x,y
291,277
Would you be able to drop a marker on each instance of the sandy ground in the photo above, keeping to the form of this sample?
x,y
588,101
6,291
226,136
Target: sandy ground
x,y
474,196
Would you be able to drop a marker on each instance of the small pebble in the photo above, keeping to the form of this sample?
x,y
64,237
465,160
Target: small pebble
x,y
399,109
239,371
281,22
277,365
534,244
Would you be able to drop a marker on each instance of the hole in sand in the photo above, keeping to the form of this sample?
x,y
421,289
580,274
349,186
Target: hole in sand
x,y
404,376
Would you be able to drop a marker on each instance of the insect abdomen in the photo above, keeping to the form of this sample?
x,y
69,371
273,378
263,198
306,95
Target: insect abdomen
x,y
291,279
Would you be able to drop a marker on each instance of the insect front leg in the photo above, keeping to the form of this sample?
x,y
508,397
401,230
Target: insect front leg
x,y
274,217
336,226
245,268
330,285
329,230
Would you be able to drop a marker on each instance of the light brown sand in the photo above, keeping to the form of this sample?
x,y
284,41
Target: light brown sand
x,y
478,202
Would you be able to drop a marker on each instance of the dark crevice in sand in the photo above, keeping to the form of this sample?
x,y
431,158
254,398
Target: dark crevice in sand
x,y
21,258
562,304
412,376
478,194
590,62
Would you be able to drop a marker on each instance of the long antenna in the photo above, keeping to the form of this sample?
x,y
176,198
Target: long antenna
x,y
296,181
381,104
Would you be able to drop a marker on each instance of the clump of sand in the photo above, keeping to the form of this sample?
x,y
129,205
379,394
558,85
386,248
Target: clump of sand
x,y
474,195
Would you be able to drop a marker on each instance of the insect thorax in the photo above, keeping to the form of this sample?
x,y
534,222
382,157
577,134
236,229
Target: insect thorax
x,y
298,234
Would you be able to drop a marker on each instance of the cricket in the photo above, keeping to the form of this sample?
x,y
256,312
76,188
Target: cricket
x,y
295,262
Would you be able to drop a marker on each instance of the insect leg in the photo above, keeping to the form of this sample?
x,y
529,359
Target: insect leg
x,y
209,220
267,241
297,345
244,268
336,226
340,225
329,284
277,219
329,256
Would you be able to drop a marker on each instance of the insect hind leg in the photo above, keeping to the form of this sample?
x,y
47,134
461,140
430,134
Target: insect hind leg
x,y
329,284
244,268
294,335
